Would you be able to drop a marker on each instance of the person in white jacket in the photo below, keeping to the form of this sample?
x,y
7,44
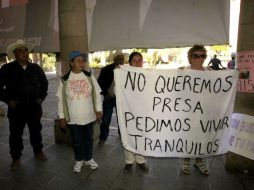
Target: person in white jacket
x,y
79,105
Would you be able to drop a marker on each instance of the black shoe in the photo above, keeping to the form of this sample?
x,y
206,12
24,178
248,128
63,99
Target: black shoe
x,y
15,164
101,142
127,168
40,156
143,167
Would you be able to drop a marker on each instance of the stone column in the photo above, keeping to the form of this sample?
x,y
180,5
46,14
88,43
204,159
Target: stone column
x,y
72,36
72,29
244,102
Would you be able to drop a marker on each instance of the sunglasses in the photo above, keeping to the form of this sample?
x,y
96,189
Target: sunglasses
x,y
196,56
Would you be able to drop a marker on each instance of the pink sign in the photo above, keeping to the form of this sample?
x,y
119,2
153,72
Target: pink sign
x,y
245,64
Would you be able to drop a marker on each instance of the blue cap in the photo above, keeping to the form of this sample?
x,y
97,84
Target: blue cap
x,y
74,54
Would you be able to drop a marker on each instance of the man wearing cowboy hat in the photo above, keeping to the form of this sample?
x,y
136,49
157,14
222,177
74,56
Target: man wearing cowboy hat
x,y
107,84
23,87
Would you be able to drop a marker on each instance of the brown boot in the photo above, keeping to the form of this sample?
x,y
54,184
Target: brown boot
x,y
15,164
40,156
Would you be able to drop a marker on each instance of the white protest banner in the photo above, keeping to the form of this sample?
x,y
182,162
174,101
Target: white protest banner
x,y
175,113
241,140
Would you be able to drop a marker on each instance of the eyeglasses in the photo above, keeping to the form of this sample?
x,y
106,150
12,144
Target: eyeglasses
x,y
196,56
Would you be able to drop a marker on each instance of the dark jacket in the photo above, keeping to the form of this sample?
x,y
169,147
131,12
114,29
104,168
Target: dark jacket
x,y
25,86
106,78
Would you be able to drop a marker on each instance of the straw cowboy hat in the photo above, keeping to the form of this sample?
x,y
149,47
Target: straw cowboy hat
x,y
11,47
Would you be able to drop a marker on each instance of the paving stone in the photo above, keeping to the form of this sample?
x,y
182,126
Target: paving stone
x,y
103,177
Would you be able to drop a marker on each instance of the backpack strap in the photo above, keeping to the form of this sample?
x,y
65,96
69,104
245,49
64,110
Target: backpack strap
x,y
64,101
89,74
66,76
93,92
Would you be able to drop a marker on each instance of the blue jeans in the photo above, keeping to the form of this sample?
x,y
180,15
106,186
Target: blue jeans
x,y
82,138
108,106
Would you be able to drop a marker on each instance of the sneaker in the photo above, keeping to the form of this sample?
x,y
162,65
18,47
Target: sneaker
x,y
143,167
186,166
40,156
93,165
127,168
15,164
200,165
77,166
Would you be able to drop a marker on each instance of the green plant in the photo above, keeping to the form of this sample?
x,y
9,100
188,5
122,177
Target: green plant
x,y
220,48
141,50
49,61
95,62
